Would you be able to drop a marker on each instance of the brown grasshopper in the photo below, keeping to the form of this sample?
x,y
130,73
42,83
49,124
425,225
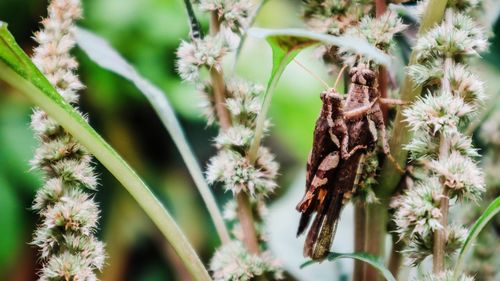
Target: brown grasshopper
x,y
342,137
331,146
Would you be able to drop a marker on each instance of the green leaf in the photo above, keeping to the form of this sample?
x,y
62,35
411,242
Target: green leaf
x,y
355,44
285,49
485,217
17,70
370,259
105,56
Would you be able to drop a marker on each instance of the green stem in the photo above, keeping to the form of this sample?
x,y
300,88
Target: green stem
x,y
376,226
65,115
266,104
389,177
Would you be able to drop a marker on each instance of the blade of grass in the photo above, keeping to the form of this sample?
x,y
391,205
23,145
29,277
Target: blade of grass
x,y
374,261
481,222
105,56
18,71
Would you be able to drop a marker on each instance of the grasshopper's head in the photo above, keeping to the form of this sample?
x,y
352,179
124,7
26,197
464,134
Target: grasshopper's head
x,y
332,101
363,75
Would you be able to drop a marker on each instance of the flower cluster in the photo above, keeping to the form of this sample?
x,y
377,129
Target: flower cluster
x,y
233,262
201,52
69,250
334,18
232,14
234,104
452,95
379,32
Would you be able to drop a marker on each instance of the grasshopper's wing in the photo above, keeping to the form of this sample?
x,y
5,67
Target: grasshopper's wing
x,y
320,236
314,198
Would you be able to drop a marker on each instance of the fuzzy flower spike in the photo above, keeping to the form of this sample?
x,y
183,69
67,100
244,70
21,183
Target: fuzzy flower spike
x,y
65,237
234,104
453,94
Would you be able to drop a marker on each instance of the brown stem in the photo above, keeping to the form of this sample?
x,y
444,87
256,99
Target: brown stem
x,y
359,240
219,89
439,241
440,236
245,215
383,81
247,223
380,7
374,215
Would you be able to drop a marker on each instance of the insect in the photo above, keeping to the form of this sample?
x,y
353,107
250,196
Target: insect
x,y
342,136
331,146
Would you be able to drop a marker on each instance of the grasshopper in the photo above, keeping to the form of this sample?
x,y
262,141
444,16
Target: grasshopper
x,y
343,135
331,146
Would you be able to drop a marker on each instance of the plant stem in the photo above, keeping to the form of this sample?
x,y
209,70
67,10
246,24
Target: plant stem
x,y
396,258
245,215
440,235
376,227
359,240
389,177
439,241
374,216
247,223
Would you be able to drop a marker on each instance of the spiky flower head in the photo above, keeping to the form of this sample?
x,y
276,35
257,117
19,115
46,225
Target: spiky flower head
x,y
425,147
463,82
420,246
237,174
232,262
55,41
69,250
433,113
236,137
461,175
417,211
233,14
379,32
207,52
456,38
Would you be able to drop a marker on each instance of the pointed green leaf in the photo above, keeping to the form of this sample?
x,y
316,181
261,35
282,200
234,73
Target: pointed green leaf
x,y
105,56
17,70
355,44
370,259
284,49
481,222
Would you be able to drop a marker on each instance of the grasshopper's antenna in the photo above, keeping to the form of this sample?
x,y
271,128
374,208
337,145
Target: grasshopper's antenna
x,y
312,74
196,32
339,75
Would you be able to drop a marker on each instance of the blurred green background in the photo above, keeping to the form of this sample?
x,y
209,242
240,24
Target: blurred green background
x,y
147,33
